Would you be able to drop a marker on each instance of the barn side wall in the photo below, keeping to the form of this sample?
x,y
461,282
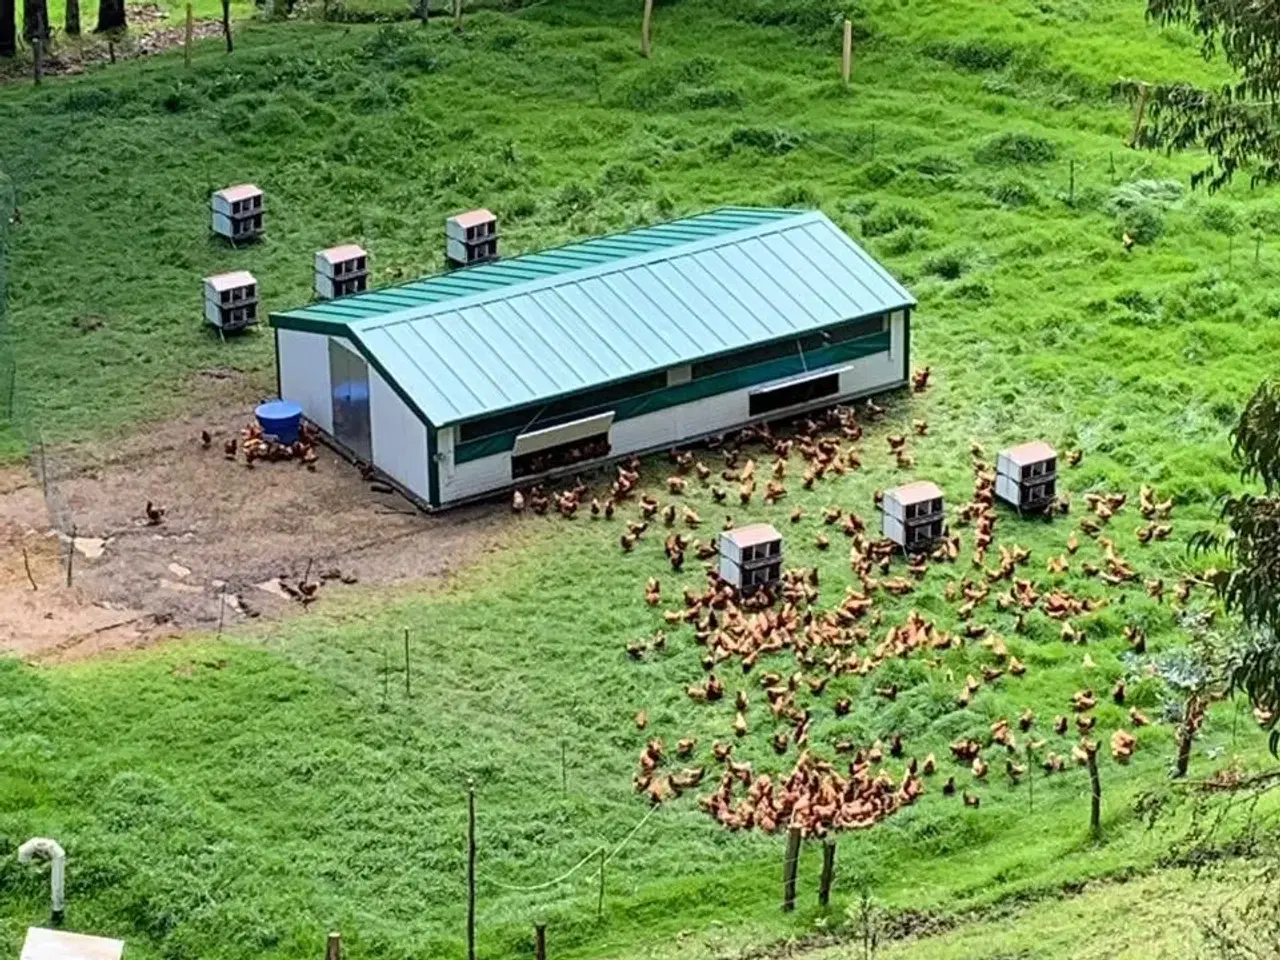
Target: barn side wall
x,y
673,425
399,438
304,374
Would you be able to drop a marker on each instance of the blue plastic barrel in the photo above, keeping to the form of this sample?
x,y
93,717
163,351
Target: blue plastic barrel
x,y
281,419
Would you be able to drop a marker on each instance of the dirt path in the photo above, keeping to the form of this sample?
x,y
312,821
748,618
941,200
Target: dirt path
x,y
228,531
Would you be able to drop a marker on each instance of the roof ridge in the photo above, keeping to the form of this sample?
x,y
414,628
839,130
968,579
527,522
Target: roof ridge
x,y
349,309
577,274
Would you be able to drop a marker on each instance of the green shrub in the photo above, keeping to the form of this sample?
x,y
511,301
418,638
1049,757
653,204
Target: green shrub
x,y
1144,223
1157,193
937,165
1220,217
974,291
1014,193
773,142
949,265
974,54
714,98
890,218
903,241
1011,148
877,173
796,195
814,19
618,175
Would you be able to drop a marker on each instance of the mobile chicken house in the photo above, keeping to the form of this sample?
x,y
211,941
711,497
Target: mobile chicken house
x,y
462,385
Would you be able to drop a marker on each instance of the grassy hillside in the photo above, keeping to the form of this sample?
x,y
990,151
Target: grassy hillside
x,y
240,799
374,134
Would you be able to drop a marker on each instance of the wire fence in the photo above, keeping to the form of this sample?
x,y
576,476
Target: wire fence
x,y
18,427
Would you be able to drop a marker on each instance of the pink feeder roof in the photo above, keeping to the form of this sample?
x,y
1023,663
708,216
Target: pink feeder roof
x,y
916,492
243,191
752,534
473,218
1034,452
343,252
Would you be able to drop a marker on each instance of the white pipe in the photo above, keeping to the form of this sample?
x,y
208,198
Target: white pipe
x,y
52,850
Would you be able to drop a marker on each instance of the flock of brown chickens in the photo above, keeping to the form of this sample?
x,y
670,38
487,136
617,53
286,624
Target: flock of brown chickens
x,y
737,633
254,445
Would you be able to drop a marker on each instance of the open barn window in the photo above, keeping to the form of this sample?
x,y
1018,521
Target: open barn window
x,y
539,451
794,393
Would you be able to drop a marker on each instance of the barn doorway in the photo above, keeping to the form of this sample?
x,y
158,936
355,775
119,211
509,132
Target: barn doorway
x,y
349,377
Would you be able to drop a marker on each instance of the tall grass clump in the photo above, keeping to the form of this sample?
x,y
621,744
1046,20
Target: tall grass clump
x,y
1015,148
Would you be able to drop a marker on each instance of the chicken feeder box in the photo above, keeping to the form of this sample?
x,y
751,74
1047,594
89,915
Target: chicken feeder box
x,y
237,212
1027,476
231,300
912,515
751,557
471,237
341,271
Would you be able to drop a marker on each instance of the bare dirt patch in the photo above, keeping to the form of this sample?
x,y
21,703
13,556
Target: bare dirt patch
x,y
231,545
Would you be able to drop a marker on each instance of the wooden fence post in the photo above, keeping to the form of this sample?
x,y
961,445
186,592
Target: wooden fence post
x,y
789,868
1139,113
190,35
846,62
406,661
600,899
644,28
71,553
471,863
457,14
333,949
539,941
1095,790
828,871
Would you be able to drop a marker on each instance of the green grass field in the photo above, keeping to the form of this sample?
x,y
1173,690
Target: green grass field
x,y
239,799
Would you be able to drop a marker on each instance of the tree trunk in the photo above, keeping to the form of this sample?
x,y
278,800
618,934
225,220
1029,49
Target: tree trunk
x,y
35,20
73,18
110,16
226,23
8,28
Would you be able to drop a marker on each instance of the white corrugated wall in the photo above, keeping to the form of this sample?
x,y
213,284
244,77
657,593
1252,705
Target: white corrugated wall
x,y
304,374
399,437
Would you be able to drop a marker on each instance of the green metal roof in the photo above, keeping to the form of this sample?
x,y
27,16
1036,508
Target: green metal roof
x,y
533,266
527,330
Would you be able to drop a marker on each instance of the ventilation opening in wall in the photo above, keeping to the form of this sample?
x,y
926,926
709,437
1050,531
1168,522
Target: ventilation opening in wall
x,y
562,455
794,394
560,446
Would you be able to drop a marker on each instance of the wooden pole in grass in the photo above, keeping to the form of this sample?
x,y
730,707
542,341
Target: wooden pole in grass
x,y
471,865
406,661
457,14
1095,791
190,35
600,897
846,60
645,47
828,871
71,553
333,948
539,941
789,868
1139,112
